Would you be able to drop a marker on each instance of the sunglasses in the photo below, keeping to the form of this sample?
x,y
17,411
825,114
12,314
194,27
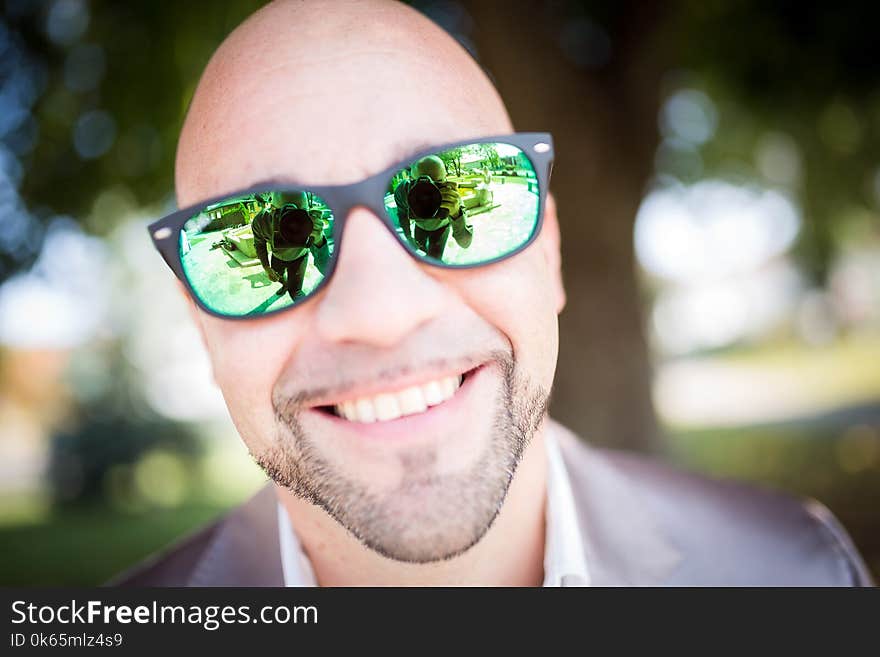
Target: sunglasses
x,y
272,246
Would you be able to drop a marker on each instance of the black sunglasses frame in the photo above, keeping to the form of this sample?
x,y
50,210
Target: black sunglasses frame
x,y
342,199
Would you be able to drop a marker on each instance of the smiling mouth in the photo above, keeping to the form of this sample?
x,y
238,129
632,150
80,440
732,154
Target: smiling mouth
x,y
390,405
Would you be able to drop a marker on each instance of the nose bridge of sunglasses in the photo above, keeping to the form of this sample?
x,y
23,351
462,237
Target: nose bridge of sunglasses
x,y
364,224
367,195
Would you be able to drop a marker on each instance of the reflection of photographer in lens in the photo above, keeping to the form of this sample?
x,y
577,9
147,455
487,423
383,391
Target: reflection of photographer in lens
x,y
289,230
429,207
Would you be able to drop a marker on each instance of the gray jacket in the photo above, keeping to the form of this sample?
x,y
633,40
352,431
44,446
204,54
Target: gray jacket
x,y
642,524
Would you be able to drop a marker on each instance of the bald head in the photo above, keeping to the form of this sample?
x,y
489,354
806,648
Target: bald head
x,y
328,93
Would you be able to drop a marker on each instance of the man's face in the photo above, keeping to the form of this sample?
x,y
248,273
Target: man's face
x,y
387,331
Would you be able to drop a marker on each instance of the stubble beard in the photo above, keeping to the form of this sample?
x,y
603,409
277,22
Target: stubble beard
x,y
427,517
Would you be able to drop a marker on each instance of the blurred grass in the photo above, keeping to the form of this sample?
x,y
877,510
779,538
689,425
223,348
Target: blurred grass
x,y
827,447
839,466
86,543
87,546
839,373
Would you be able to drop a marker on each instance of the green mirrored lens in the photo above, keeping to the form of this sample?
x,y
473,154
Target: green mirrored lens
x,y
465,205
254,254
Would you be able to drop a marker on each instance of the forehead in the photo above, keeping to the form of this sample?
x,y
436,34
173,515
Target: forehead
x,y
329,117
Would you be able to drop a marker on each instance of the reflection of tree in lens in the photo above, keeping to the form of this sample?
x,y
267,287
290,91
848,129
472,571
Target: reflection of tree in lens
x,y
220,257
499,191
452,160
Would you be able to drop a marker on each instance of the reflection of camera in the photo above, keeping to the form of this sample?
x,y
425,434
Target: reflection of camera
x,y
424,199
295,225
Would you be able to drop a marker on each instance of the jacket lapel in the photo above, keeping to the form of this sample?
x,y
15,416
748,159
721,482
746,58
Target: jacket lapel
x,y
624,545
245,550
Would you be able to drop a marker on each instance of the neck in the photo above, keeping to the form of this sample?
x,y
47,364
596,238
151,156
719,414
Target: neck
x,y
339,559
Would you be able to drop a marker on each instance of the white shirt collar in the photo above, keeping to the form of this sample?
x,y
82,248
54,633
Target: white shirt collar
x,y
295,564
564,560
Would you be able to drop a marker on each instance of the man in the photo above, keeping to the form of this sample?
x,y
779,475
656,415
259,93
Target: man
x,y
400,411
435,211
289,231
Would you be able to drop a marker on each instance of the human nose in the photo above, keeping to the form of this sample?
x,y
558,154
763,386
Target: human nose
x,y
378,294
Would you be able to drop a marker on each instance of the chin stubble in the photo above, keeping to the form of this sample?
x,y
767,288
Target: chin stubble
x,y
427,517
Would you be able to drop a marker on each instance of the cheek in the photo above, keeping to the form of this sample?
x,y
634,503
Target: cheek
x,y
247,358
516,297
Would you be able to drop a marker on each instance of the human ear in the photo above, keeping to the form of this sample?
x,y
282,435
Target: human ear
x,y
550,246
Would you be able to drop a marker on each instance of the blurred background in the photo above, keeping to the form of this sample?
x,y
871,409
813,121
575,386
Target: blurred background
x,y
718,183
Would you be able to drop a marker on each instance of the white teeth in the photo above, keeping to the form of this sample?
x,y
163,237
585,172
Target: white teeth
x,y
411,400
363,411
387,407
433,393
392,405
449,384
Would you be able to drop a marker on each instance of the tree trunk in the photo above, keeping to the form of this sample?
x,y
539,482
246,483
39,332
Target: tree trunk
x,y
604,123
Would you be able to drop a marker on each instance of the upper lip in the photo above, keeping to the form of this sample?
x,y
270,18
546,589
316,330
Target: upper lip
x,y
390,383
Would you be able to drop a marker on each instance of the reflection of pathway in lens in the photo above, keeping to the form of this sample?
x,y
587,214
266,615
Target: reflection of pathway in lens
x,y
499,231
227,287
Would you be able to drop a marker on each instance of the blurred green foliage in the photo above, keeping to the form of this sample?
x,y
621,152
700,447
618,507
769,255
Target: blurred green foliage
x,y
803,71
145,60
100,450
